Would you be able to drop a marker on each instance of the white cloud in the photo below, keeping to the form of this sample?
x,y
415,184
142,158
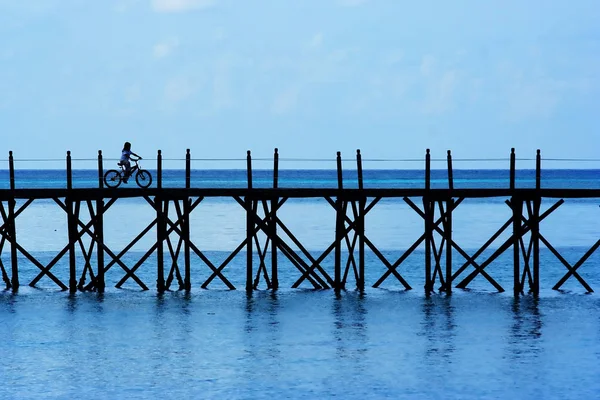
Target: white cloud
x,y
178,89
316,41
351,3
529,92
168,6
427,65
133,93
164,48
123,6
221,86
537,99
440,94
286,100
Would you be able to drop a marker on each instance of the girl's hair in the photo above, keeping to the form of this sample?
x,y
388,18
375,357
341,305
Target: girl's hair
x,y
127,146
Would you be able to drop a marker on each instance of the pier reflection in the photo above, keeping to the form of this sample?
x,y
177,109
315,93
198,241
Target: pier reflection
x,y
438,328
526,329
262,326
350,329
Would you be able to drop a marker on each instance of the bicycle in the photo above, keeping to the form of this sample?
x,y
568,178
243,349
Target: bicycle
x,y
113,177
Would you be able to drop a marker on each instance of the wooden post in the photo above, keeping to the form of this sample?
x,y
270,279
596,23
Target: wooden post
x,y
448,234
428,207
273,223
159,169
186,222
512,168
535,228
427,170
448,225
517,207
360,225
161,228
188,169
12,226
339,226
428,226
99,228
450,172
249,224
538,170
72,227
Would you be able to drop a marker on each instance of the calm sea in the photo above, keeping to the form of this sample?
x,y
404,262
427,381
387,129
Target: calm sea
x,y
303,343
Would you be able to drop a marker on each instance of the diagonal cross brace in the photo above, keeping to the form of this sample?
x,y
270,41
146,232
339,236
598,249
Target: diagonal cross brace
x,y
506,245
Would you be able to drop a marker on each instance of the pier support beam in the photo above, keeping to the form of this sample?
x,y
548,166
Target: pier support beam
x,y
447,223
535,226
517,208
187,282
99,229
161,229
428,219
249,225
340,212
71,226
360,225
11,225
272,221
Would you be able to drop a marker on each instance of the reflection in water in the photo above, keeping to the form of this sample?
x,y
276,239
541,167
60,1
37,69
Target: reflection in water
x,y
262,325
526,328
72,303
350,327
438,328
8,301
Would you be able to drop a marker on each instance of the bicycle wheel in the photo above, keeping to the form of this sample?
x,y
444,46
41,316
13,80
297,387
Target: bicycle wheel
x,y
112,178
143,178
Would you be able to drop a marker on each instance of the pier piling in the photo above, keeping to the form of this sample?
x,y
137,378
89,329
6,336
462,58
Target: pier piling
x,y
272,223
249,224
99,229
161,228
11,225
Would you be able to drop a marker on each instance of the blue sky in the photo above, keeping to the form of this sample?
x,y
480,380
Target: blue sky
x,y
310,77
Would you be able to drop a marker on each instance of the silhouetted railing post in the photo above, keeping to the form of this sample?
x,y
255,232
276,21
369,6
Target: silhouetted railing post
x,y
188,169
360,224
12,225
512,168
339,225
160,228
249,223
273,223
159,169
11,168
428,211
100,170
186,222
427,170
538,170
450,171
99,228
72,227
69,172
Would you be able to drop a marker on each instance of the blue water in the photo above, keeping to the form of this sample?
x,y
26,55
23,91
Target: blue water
x,y
304,343
553,178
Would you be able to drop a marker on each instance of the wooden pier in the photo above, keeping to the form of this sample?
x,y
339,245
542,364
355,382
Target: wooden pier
x,y
173,207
